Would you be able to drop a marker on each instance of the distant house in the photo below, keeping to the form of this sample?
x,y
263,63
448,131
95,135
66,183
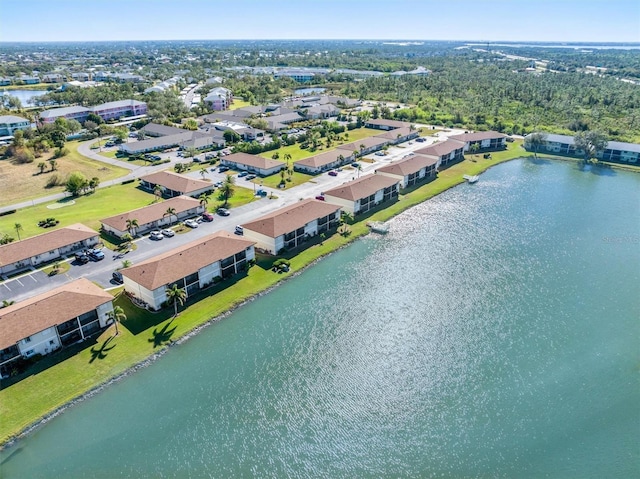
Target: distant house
x,y
399,135
614,152
31,252
446,152
324,161
107,111
157,130
125,78
29,80
173,184
410,171
382,124
81,76
366,145
315,112
153,216
279,122
485,140
185,139
5,81
11,123
191,267
53,78
219,99
361,195
49,321
78,113
292,226
253,163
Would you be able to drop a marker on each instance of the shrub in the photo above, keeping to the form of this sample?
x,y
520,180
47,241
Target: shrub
x,y
60,152
23,156
53,180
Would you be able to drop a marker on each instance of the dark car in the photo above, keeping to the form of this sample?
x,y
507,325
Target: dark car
x,y
222,169
333,173
320,197
207,216
82,258
250,177
117,277
223,212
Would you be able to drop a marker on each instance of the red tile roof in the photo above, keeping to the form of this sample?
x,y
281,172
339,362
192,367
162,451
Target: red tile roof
x,y
408,166
318,161
361,188
43,243
185,260
441,148
288,219
151,213
21,320
174,181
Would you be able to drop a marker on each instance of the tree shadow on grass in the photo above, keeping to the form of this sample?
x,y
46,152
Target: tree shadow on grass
x,y
162,336
101,352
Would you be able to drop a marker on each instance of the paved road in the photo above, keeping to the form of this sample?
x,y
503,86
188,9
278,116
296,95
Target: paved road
x,y
36,282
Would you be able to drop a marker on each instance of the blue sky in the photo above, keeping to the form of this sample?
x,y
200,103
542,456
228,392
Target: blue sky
x,y
484,20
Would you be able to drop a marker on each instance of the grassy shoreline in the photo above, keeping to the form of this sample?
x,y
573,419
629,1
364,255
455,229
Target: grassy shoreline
x,y
82,372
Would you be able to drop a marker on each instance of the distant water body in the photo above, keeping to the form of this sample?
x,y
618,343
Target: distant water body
x,y
492,333
25,96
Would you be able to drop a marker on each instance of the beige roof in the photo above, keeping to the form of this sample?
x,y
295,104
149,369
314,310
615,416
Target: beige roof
x,y
478,136
367,142
187,259
326,158
176,182
254,161
29,247
151,213
389,123
54,307
441,148
361,188
393,134
408,166
288,219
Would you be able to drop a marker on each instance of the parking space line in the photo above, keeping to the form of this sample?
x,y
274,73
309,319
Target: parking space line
x,y
18,281
6,286
30,276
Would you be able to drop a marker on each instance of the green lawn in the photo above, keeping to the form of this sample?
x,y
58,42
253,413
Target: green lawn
x,y
87,209
238,104
274,180
241,196
298,153
61,377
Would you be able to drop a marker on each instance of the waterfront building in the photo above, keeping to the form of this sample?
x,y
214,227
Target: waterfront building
x,y
412,170
49,321
191,267
615,151
445,152
361,195
11,123
292,226
485,140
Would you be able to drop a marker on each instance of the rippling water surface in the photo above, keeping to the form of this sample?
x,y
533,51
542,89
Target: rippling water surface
x,y
492,333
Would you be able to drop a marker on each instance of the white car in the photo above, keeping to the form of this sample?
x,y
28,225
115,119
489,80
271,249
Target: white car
x,y
156,235
191,223
168,233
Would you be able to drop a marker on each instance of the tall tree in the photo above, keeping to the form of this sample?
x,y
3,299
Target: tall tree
x,y
132,224
591,143
170,212
18,228
176,295
117,315
534,141
227,189
157,192
204,200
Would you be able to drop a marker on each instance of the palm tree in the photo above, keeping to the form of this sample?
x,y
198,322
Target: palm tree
x,y
227,189
53,164
18,228
126,263
6,302
170,212
362,147
203,173
157,192
535,141
127,239
176,295
204,200
132,224
42,166
117,315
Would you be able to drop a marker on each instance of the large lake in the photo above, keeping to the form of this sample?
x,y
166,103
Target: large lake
x,y
492,333
25,96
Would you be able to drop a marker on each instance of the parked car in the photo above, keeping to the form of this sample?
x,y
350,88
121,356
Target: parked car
x,y
109,144
168,233
355,164
191,223
117,277
250,177
242,174
219,184
380,153
333,173
156,235
222,169
320,197
82,258
95,254
223,212
420,140
261,193
239,230
207,216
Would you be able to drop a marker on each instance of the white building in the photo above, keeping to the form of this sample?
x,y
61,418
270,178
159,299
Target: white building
x,y
361,195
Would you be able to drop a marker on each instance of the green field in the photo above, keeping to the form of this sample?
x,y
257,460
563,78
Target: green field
x,y
274,180
86,209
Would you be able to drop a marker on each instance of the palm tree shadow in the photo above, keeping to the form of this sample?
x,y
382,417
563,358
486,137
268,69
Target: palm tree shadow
x,y
163,335
100,353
